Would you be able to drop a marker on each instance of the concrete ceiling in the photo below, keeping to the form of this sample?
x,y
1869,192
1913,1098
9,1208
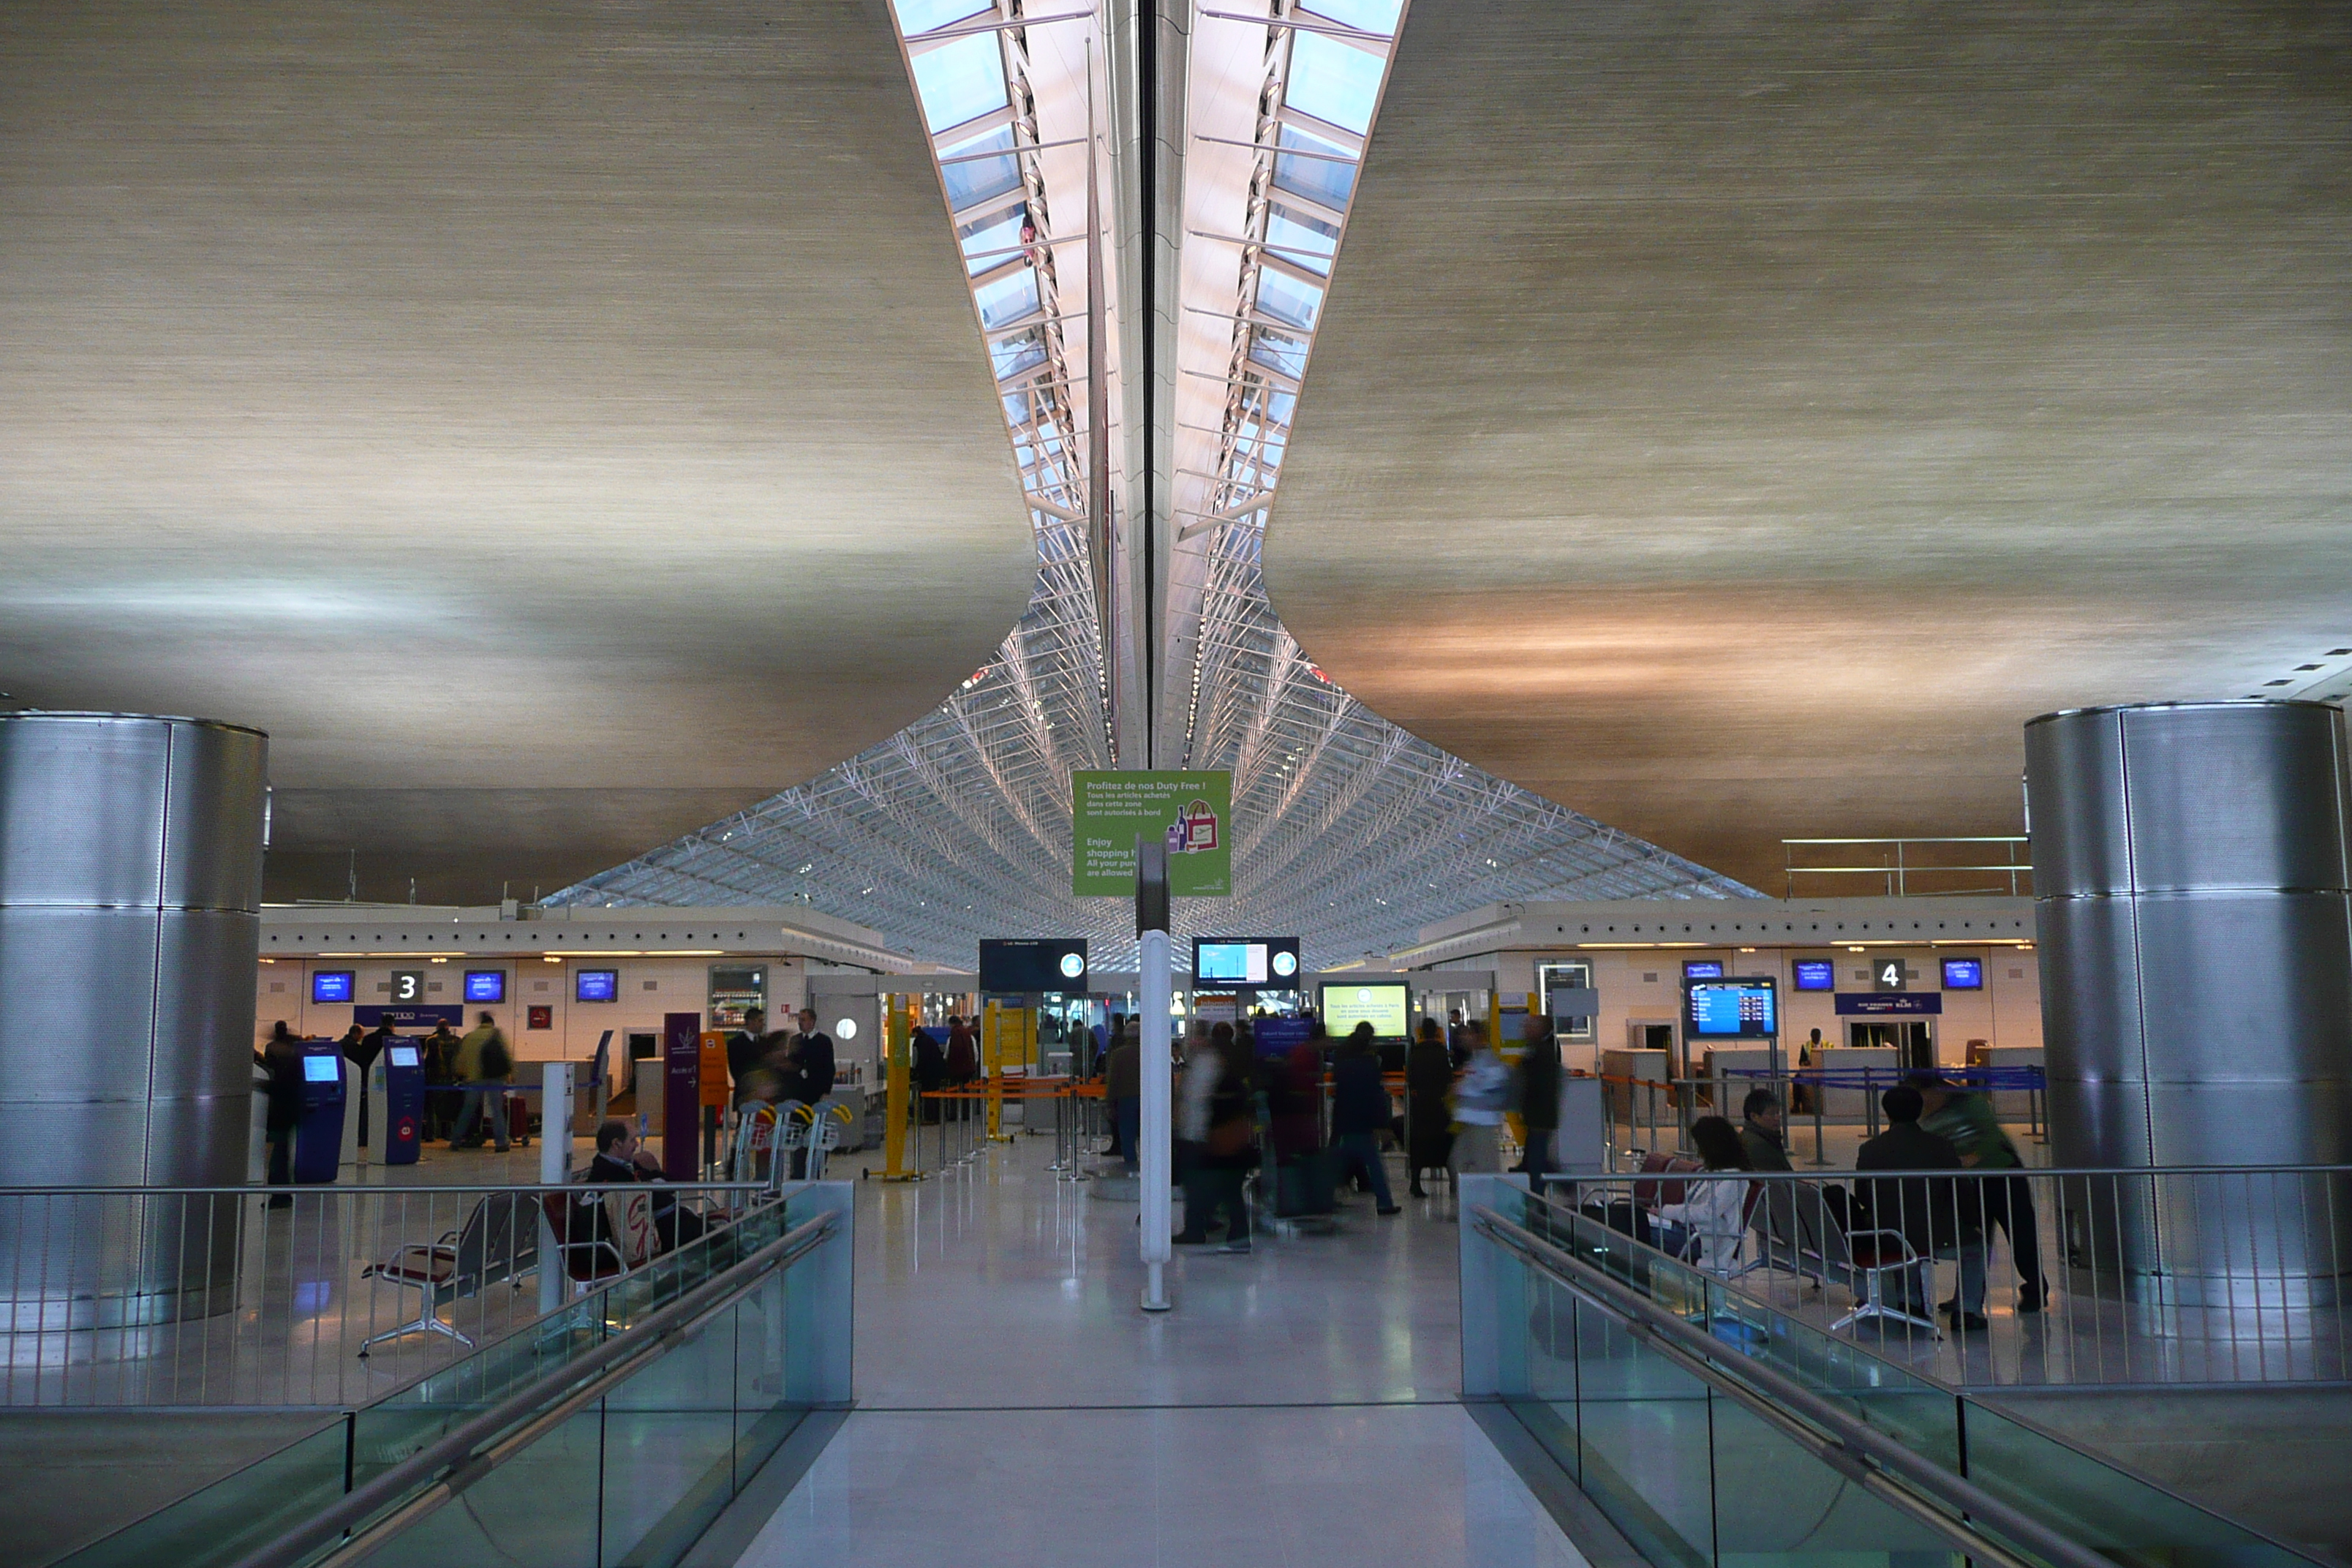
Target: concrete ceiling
x,y
558,425
1734,420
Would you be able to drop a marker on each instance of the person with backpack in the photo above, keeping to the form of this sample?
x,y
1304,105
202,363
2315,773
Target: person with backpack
x,y
484,1065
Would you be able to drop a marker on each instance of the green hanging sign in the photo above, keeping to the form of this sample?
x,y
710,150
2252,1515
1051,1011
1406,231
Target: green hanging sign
x,y
1193,811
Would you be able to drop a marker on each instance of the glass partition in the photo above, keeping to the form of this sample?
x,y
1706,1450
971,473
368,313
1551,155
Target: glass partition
x,y
1692,1477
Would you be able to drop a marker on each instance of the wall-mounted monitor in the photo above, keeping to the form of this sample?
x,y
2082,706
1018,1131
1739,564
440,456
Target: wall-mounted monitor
x,y
1347,1002
595,986
332,985
1015,966
1221,961
1702,969
403,1056
486,985
1816,973
1732,1009
1964,974
322,1070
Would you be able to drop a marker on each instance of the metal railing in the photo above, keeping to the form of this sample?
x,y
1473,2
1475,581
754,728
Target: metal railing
x,y
310,1296
1902,860
1709,1428
1646,1114
2018,1277
703,1363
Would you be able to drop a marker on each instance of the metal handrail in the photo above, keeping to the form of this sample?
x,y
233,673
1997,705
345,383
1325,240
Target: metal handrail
x,y
459,1459
1872,1461
256,1189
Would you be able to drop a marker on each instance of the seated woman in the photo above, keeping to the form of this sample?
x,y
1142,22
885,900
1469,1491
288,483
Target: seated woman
x,y
1713,1212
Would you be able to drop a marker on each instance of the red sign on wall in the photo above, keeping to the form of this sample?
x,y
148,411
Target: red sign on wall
x,y
541,1018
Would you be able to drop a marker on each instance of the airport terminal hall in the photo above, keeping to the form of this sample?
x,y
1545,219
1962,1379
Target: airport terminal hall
x,y
1157,783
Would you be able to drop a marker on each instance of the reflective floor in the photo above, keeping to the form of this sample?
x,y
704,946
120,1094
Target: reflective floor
x,y
1298,1405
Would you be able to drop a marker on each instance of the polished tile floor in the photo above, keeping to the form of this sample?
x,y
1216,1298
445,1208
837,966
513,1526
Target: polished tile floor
x,y
1015,1405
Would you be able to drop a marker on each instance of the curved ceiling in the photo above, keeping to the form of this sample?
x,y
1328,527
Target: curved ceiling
x,y
1733,421
558,425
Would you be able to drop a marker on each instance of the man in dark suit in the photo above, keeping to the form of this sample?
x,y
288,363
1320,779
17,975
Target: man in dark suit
x,y
812,1050
1926,1210
745,1048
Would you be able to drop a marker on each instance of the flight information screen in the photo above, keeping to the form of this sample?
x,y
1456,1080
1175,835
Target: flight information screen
x,y
1243,962
486,985
1963,975
1816,974
596,986
332,985
1733,1010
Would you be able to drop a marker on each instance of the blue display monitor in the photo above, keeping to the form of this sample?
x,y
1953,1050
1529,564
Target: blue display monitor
x,y
1963,975
1816,974
1732,1009
1702,969
486,985
1245,961
322,1070
595,986
332,985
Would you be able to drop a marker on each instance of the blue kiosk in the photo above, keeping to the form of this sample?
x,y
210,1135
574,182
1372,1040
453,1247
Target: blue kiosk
x,y
401,1075
319,1135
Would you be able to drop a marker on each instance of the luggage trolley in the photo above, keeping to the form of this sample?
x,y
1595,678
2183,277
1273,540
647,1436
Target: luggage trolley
x,y
815,1128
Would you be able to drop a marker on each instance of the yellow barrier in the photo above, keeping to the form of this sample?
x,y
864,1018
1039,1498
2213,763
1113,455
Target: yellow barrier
x,y
900,1036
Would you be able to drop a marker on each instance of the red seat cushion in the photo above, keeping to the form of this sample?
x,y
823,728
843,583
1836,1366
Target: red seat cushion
x,y
420,1265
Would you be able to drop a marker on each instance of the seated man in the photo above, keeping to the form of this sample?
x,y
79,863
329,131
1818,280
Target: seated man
x,y
1928,1212
621,1156
1762,1127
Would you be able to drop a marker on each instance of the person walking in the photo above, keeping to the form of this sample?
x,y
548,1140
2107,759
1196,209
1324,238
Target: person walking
x,y
1123,1090
1539,1099
1359,1114
484,1065
1428,1118
1964,1119
1220,1121
1480,1099
282,1060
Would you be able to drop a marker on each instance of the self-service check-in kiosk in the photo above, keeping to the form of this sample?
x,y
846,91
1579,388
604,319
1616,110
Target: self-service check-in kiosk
x,y
319,1135
400,1074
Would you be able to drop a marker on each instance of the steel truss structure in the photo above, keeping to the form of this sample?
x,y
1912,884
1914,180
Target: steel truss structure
x,y
1349,832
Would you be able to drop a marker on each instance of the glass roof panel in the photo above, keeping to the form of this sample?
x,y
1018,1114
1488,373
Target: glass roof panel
x,y
962,80
985,240
1364,15
1338,83
926,15
968,184
1279,350
1308,242
1024,351
1328,180
1006,299
1287,299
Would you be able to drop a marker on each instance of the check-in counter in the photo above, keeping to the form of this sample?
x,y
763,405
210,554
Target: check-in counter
x,y
1628,1104
1724,1093
1884,1062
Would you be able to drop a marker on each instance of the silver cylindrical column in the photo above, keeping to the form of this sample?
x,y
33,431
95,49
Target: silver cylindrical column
x,y
129,923
2190,877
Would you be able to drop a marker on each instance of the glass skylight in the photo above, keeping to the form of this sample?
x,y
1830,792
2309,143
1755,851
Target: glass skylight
x,y
1328,180
986,241
927,16
1006,299
1364,15
970,184
1305,241
961,80
1287,299
1279,350
1338,83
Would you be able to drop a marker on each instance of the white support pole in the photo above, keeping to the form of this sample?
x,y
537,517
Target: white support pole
x,y
554,1170
1158,1129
